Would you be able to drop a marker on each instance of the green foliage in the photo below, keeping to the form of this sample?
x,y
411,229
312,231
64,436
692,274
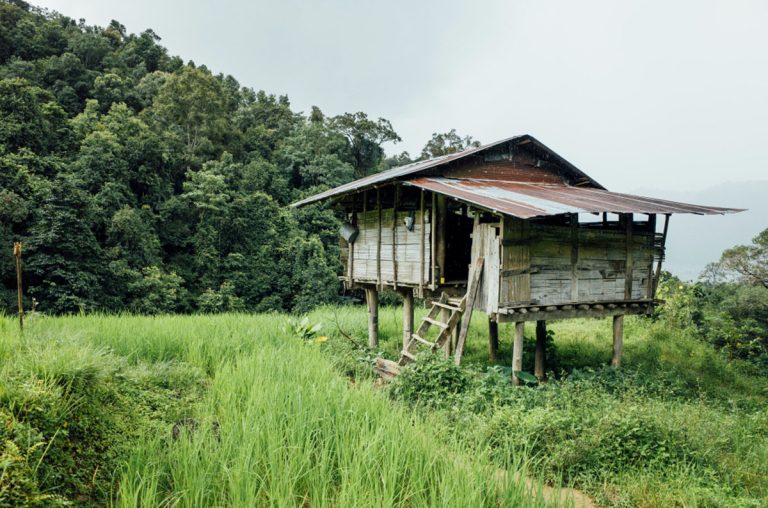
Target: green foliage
x,y
71,412
680,424
302,329
430,380
140,183
447,143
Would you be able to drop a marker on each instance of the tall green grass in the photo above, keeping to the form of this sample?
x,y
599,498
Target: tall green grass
x,y
678,425
276,425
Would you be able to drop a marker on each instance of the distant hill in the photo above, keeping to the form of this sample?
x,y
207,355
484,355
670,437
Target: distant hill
x,y
697,240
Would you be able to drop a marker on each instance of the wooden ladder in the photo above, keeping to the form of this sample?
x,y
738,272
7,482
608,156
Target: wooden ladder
x,y
455,308
388,369
418,340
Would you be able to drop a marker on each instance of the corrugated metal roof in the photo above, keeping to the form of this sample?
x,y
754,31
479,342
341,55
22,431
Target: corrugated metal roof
x,y
526,200
417,167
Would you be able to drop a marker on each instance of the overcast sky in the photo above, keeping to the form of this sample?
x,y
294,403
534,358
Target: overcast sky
x,y
646,94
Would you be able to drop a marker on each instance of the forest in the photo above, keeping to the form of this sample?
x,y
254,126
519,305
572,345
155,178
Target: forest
x,y
142,183
187,341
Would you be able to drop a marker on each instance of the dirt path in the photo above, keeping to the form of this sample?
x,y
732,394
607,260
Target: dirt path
x,y
560,495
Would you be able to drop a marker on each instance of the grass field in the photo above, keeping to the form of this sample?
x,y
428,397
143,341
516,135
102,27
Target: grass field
x,y
235,410
679,425
91,405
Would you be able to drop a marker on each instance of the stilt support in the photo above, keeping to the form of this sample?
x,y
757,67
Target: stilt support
x,y
618,340
407,316
541,342
372,298
517,352
493,340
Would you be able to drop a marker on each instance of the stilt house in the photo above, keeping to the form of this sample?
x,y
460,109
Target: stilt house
x,y
510,228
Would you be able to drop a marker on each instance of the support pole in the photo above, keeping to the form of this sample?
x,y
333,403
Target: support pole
x,y
444,316
455,336
407,317
493,340
442,232
517,352
541,342
17,255
372,298
618,340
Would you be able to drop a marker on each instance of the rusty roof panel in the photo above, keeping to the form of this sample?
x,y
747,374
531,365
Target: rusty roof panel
x,y
526,200
418,167
395,174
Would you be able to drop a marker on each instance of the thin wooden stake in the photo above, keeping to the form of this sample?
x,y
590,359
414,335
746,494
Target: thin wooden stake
x,y
618,340
17,255
517,352
541,344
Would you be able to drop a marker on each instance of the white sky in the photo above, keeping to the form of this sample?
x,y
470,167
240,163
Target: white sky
x,y
652,94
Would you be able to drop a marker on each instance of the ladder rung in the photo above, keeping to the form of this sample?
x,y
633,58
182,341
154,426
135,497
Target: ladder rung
x,y
407,354
446,306
423,341
455,301
435,322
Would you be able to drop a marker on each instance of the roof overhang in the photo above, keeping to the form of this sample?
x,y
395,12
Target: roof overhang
x,y
528,200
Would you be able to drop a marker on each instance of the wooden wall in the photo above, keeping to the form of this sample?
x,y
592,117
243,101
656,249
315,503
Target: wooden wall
x,y
554,264
485,242
396,254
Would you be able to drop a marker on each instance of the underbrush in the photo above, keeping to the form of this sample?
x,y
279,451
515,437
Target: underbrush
x,y
71,412
678,425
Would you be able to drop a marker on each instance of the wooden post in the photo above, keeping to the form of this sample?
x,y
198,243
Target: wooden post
x,y
630,261
541,342
407,317
618,340
379,283
394,236
652,241
433,241
493,339
351,256
455,336
517,351
444,316
442,229
574,257
17,255
661,255
372,298
421,244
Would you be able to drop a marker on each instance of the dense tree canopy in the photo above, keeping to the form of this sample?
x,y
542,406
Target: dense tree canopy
x,y
141,183
138,182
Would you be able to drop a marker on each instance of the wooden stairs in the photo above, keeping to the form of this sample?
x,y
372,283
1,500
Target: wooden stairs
x,y
446,314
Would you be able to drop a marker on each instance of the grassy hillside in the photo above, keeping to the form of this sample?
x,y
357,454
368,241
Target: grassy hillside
x,y
213,411
678,425
235,410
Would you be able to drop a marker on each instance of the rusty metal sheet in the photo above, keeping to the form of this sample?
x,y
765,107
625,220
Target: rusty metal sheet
x,y
527,200
409,170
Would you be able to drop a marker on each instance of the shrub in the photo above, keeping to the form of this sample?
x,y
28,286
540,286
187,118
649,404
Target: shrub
x,y
430,380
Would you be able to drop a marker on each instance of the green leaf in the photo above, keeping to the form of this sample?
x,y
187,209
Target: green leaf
x,y
526,377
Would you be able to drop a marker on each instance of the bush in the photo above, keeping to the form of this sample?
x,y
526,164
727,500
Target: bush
x,y
430,380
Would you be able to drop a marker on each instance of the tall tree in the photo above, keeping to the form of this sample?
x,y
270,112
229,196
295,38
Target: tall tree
x,y
365,137
447,143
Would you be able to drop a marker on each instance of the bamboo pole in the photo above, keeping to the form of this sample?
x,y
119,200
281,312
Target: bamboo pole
x,y
17,255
